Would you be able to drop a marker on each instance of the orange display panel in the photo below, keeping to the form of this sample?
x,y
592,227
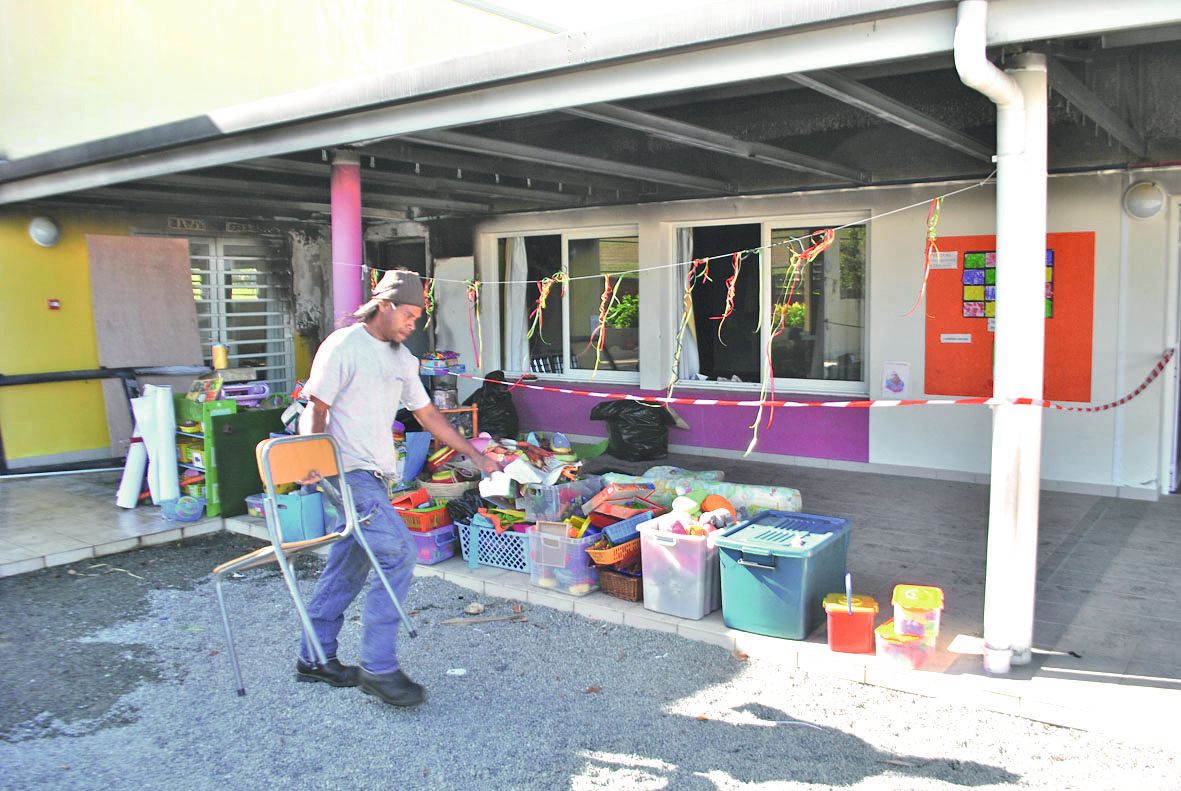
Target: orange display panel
x,y
961,308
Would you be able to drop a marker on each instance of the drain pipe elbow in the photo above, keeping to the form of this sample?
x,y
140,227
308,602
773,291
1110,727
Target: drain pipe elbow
x,y
972,64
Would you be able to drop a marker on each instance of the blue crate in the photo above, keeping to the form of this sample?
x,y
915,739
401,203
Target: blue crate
x,y
627,529
507,550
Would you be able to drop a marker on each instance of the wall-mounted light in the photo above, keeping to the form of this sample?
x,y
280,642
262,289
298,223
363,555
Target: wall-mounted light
x,y
1143,200
44,231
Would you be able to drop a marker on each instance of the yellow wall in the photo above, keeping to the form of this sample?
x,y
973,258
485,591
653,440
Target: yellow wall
x,y
78,70
66,417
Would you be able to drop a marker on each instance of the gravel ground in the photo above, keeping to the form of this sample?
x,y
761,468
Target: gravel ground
x,y
113,681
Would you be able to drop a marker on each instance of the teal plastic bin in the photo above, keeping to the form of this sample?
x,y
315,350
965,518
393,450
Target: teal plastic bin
x,y
301,515
776,569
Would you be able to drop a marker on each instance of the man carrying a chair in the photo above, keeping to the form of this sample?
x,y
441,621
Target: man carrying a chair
x,y
359,376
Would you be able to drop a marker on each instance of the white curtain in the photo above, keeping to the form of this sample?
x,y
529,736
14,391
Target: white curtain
x,y
516,344
690,364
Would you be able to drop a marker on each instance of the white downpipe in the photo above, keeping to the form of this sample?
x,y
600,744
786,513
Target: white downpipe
x,y
1020,334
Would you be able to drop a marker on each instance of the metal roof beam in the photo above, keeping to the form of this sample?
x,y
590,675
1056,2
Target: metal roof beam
x,y
718,142
1079,95
424,155
235,187
875,103
431,183
548,156
156,198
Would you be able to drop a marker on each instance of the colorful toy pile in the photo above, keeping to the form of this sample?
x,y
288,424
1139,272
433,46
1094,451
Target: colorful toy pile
x,y
440,362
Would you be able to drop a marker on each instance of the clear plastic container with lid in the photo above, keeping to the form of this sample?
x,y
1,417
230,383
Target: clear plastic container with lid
x,y
917,610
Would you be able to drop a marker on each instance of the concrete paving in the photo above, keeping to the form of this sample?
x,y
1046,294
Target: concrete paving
x,y
1107,631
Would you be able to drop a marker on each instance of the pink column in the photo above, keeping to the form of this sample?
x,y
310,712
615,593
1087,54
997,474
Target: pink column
x,y
347,252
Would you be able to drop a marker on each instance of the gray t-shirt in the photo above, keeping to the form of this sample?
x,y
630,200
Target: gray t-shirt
x,y
362,380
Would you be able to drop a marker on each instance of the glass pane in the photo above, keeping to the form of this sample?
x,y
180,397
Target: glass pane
x,y
825,309
525,262
725,325
589,259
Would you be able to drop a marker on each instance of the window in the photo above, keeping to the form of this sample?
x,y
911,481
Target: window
x,y
565,334
823,334
243,292
824,319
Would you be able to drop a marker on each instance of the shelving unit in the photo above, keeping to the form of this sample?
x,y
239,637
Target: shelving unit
x,y
441,380
204,413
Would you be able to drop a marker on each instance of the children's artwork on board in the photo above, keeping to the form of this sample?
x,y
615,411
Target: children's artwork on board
x,y
895,381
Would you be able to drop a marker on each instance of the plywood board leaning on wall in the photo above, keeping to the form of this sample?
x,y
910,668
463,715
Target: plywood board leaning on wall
x,y
144,315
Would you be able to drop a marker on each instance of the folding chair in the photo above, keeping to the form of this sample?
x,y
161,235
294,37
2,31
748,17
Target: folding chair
x,y
306,459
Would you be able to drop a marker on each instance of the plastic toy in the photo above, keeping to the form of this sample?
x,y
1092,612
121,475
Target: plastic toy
x,y
713,502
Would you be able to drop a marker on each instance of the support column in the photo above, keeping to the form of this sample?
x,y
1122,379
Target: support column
x,y
347,249
1019,366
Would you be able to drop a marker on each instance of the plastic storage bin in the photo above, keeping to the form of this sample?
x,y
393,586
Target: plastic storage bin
x,y
254,506
435,546
555,503
776,569
917,609
680,571
561,564
850,629
902,650
507,550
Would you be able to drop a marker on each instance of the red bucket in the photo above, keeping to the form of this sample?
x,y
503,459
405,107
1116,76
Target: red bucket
x,y
850,632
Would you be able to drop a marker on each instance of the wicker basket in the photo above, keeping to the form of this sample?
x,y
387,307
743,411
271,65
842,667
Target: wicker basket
x,y
621,586
613,556
448,491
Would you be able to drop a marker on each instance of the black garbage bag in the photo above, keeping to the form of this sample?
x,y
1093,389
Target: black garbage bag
x,y
638,429
494,400
467,505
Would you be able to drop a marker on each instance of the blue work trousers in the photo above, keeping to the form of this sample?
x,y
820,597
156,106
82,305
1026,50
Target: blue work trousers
x,y
345,574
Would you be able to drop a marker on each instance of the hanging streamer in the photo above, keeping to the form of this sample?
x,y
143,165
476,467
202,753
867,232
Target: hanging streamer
x,y
374,277
779,318
474,325
428,299
698,268
731,285
537,316
929,249
599,336
865,221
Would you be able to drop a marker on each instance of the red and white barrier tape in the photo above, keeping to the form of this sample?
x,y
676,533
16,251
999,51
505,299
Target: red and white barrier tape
x,y
1156,372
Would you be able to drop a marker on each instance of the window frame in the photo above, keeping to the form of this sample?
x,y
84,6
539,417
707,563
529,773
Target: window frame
x,y
566,235
819,221
768,224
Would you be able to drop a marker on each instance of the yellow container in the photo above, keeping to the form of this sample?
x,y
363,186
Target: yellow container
x,y
221,356
917,609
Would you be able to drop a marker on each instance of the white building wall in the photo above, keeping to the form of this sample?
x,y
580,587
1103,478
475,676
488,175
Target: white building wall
x,y
1114,451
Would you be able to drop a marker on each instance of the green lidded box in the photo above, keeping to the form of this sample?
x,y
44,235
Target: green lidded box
x,y
776,569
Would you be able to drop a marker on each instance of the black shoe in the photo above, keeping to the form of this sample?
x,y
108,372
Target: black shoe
x,y
394,688
334,673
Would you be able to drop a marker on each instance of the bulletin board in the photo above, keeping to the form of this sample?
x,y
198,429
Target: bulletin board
x,y
961,308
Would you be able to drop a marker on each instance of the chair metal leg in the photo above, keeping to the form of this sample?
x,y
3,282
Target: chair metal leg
x,y
304,618
385,583
225,624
